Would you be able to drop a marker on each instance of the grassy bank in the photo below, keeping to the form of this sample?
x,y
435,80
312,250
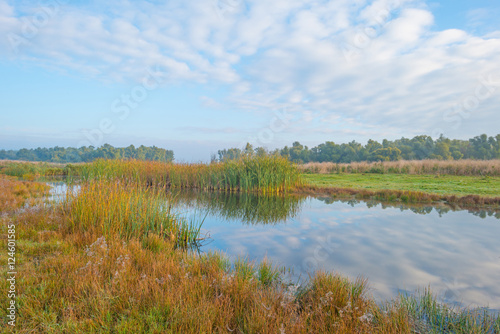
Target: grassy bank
x,y
443,184
95,264
466,191
270,174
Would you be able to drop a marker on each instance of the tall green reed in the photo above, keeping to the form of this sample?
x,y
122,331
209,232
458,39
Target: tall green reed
x,y
127,210
436,317
267,175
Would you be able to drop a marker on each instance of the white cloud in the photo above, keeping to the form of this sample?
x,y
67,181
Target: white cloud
x,y
379,63
6,9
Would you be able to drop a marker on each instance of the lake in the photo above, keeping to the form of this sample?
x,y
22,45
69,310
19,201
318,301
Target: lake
x,y
397,248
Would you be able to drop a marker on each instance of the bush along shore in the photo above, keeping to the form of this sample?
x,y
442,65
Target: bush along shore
x,y
113,258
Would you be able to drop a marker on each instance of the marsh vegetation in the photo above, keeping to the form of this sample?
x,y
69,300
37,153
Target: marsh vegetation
x,y
114,257
412,167
265,175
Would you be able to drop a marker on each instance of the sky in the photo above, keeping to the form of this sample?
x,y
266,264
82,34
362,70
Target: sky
x,y
198,76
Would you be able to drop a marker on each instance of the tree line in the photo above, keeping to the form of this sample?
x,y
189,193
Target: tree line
x,y
418,148
87,154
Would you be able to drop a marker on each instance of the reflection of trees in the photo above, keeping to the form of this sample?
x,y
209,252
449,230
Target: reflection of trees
x,y
422,209
259,209
484,214
246,207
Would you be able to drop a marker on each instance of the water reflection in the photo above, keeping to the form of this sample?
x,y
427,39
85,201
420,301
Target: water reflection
x,y
398,248
418,208
58,190
244,208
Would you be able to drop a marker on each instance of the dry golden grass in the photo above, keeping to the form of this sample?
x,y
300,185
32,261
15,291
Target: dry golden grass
x,y
15,194
448,167
92,278
82,282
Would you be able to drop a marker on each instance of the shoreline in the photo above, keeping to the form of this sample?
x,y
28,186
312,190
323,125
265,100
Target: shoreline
x,y
403,196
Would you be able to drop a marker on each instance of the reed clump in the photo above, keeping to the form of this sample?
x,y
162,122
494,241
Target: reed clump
x,y
266,175
126,210
432,316
444,167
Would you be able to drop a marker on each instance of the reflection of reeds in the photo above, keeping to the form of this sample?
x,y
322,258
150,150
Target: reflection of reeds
x,y
448,167
246,207
270,174
113,208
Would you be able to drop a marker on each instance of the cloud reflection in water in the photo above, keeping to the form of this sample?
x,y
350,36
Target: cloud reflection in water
x,y
457,254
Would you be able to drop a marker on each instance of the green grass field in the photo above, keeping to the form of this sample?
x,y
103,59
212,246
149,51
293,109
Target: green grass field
x,y
443,184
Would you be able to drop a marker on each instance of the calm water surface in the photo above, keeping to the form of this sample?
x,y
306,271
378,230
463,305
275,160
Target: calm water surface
x,y
456,253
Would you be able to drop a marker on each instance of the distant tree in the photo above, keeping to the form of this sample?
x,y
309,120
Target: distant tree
x,y
87,154
417,148
285,152
229,154
442,149
129,152
25,154
386,154
248,151
261,152
296,152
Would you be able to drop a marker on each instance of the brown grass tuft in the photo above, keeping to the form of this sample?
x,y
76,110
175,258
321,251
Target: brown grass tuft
x,y
15,194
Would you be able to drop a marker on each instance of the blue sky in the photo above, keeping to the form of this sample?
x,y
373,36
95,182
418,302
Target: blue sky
x,y
197,76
